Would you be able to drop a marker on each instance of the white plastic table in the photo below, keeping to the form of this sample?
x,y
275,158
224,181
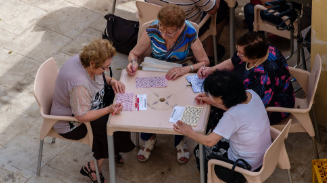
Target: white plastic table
x,y
156,118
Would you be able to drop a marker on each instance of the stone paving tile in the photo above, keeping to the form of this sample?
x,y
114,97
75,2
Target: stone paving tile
x,y
100,6
38,43
172,179
60,58
118,63
52,175
3,90
21,98
20,155
5,37
48,5
10,177
16,16
12,123
100,24
81,40
70,20
14,67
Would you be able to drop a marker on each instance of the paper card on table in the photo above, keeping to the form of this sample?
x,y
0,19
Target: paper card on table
x,y
142,102
176,114
196,83
191,115
126,99
150,82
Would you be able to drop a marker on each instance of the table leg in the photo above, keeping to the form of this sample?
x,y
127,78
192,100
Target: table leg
x,y
137,139
231,31
113,7
112,170
202,173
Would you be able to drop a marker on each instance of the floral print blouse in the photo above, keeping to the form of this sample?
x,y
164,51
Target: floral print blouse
x,y
270,80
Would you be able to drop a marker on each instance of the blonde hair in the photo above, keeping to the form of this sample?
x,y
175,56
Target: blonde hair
x,y
171,15
98,51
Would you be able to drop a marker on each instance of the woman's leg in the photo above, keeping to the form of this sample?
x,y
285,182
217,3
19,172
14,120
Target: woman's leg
x,y
249,15
148,137
179,144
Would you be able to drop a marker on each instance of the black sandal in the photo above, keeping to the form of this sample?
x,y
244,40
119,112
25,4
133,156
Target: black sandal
x,y
118,158
87,173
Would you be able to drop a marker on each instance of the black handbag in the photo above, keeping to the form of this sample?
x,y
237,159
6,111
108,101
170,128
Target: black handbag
x,y
229,175
122,33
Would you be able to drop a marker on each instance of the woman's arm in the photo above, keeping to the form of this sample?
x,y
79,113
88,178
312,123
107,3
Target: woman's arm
x,y
80,102
225,65
142,45
199,54
207,140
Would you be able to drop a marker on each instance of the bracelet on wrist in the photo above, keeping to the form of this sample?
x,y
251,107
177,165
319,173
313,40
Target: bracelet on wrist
x,y
134,60
191,68
213,69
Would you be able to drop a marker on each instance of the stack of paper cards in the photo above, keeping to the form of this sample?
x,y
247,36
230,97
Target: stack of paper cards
x,y
191,115
126,99
151,82
141,102
196,83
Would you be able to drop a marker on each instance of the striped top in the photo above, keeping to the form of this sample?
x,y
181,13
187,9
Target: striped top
x,y
180,51
194,9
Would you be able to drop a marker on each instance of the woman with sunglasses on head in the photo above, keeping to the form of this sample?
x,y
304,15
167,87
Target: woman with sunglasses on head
x,y
80,90
262,68
172,39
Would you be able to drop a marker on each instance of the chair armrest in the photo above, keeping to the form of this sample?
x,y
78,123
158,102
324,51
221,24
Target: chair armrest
x,y
257,17
203,21
213,162
288,110
301,76
63,118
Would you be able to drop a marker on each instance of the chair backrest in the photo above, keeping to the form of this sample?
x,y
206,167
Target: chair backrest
x,y
44,85
146,11
272,155
313,80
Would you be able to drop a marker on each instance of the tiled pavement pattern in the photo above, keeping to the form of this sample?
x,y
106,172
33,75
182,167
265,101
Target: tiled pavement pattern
x,y
32,31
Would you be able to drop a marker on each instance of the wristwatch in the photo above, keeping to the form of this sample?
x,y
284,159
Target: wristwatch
x,y
191,68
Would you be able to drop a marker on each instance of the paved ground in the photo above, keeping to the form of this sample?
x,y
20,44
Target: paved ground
x,y
32,31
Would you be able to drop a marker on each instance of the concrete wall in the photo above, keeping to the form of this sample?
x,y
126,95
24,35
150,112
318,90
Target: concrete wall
x,y
319,46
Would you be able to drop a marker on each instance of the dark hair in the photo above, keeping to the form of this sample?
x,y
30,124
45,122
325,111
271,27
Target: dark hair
x,y
227,85
256,45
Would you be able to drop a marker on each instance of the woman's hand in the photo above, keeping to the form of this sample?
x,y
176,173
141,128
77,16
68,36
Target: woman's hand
x,y
183,128
203,73
117,86
176,72
204,98
132,70
112,108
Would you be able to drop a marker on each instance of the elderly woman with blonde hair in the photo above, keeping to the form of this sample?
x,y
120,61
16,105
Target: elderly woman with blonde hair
x,y
80,90
172,39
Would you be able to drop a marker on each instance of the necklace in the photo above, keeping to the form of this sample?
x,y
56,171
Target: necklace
x,y
246,65
89,74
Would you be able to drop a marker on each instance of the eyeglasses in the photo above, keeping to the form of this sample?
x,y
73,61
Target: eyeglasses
x,y
105,68
239,52
165,31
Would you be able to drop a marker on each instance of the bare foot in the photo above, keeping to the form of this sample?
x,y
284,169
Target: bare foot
x,y
183,159
141,157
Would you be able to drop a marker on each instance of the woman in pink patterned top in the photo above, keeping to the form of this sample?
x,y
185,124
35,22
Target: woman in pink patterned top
x,y
263,68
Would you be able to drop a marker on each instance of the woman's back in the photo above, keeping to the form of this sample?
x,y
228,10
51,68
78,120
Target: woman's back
x,y
248,129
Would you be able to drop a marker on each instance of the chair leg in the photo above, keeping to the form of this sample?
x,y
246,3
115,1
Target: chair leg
x,y
315,147
315,123
40,158
215,49
137,139
97,170
289,176
53,140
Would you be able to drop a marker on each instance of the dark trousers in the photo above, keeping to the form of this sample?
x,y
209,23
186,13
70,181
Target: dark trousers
x,y
249,16
147,136
122,141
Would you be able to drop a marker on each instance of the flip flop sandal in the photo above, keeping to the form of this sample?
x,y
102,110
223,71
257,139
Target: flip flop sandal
x,y
150,144
182,146
84,171
221,52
